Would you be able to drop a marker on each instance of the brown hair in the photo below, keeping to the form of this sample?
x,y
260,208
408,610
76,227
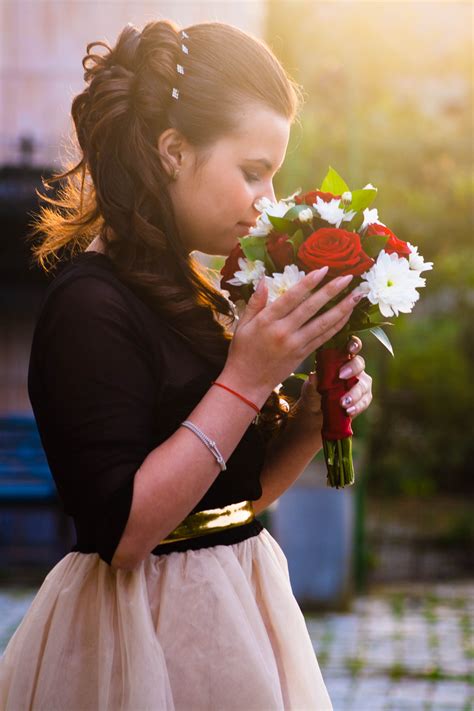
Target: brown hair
x,y
118,188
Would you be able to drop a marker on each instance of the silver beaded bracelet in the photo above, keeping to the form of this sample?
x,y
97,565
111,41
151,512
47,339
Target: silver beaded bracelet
x,y
210,444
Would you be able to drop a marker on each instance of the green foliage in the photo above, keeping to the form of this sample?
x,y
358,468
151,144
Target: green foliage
x,y
401,121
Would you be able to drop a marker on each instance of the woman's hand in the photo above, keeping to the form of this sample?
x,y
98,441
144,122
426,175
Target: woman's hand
x,y
355,400
272,339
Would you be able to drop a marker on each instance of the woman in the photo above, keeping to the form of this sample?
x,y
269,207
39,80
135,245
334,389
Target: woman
x,y
175,597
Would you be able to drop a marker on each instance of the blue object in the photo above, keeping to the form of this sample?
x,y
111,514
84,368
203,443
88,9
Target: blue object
x,y
24,471
314,525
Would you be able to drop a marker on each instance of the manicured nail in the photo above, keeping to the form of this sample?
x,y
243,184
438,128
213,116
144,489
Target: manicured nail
x,y
351,410
345,372
344,280
357,298
318,273
346,400
353,346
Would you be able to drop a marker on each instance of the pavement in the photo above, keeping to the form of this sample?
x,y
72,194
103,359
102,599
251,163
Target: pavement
x,y
400,648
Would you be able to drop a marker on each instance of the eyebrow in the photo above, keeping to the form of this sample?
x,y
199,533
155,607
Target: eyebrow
x,y
263,161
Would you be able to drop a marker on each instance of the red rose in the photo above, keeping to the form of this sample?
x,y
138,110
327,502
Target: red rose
x,y
280,250
231,265
310,198
393,244
336,248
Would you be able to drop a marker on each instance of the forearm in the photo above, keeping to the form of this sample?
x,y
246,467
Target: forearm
x,y
287,457
176,474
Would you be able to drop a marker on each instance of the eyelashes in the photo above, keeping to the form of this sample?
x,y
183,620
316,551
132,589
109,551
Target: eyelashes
x,y
251,178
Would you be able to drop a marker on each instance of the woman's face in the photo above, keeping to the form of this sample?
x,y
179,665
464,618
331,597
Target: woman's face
x,y
214,204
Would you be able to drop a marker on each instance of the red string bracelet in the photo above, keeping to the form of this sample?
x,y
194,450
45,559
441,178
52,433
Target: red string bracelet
x,y
249,402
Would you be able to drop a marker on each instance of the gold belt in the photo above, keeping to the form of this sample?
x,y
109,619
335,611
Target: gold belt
x,y
211,521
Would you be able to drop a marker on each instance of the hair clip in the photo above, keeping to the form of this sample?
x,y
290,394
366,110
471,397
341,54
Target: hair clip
x,y
180,68
184,34
175,93
185,49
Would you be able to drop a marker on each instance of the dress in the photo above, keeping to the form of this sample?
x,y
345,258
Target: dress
x,y
206,624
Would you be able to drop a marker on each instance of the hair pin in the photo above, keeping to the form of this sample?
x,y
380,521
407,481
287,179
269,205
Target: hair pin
x,y
184,34
185,49
180,68
175,93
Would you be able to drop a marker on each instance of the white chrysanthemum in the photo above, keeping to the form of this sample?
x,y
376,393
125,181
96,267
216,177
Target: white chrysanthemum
x,y
371,217
305,215
416,261
250,272
347,196
331,212
391,284
279,283
369,186
267,207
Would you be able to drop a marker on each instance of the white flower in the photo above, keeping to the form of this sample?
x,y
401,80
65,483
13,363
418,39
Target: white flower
x,y
279,283
347,196
250,272
391,284
371,217
416,261
369,186
305,215
267,207
331,212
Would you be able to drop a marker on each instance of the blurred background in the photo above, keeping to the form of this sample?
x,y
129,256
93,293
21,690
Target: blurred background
x,y
389,100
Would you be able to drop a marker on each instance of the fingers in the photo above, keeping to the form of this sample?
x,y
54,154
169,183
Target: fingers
x,y
329,323
319,338
353,368
354,345
311,305
359,397
288,301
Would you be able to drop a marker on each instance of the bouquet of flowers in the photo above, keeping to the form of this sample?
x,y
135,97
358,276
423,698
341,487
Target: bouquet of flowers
x,y
333,227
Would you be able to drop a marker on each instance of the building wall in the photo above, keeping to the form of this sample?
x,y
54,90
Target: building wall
x,y
42,43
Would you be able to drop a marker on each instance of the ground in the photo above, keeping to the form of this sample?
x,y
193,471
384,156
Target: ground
x,y
407,647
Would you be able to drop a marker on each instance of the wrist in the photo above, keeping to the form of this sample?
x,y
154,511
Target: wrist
x,y
254,392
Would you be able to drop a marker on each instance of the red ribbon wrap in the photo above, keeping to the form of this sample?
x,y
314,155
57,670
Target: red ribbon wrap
x,y
336,424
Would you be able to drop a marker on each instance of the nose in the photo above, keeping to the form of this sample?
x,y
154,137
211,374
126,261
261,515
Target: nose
x,y
270,194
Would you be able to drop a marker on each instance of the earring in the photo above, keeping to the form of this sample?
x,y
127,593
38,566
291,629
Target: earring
x,y
175,173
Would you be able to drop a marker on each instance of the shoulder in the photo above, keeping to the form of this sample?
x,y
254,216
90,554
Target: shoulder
x,y
86,303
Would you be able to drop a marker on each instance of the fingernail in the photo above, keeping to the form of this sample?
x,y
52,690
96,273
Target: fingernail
x,y
344,280
357,298
318,273
353,346
345,372
346,400
351,410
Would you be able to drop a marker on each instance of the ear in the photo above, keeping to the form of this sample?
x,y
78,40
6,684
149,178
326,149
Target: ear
x,y
172,147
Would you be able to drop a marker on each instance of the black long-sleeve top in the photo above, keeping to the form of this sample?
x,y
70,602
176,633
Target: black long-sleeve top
x,y
109,380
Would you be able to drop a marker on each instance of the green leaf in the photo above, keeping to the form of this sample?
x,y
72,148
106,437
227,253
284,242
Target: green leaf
x,y
297,240
269,264
282,225
355,224
333,183
253,247
383,338
361,199
301,376
374,244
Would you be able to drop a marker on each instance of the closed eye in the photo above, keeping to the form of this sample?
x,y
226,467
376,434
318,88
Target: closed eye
x,y
251,177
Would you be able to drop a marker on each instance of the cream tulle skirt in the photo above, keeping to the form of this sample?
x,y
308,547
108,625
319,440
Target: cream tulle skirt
x,y
214,629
